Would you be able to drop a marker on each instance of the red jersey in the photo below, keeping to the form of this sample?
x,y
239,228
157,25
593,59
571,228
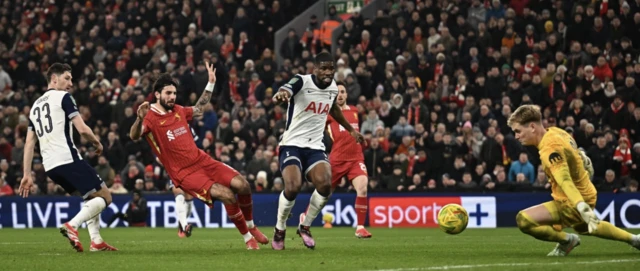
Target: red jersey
x,y
171,140
345,147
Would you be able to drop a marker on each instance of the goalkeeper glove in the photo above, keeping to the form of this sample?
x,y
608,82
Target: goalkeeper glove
x,y
586,162
588,216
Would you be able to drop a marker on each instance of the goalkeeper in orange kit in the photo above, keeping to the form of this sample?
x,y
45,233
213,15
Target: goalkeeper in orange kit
x,y
574,196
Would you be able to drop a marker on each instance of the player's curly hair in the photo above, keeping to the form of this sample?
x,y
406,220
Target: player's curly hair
x,y
163,80
524,115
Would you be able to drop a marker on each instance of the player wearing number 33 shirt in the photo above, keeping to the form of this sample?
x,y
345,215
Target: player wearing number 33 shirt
x,y
51,121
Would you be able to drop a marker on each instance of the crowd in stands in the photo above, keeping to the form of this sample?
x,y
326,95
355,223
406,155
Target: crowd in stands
x,y
434,82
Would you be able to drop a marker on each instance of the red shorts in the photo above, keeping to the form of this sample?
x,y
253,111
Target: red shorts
x,y
351,169
210,172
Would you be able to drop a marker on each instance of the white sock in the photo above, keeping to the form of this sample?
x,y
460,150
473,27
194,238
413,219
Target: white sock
x,y
93,225
90,209
189,204
359,227
181,210
247,236
284,209
250,224
315,206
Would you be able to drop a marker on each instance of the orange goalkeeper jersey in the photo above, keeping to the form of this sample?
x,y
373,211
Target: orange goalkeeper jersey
x,y
563,165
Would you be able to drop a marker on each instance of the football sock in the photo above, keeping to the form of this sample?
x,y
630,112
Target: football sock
x,y
234,213
91,208
189,204
247,236
361,209
607,231
181,211
284,209
93,225
246,205
540,232
315,206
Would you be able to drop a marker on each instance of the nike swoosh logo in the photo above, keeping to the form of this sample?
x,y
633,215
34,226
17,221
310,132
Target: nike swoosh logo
x,y
162,122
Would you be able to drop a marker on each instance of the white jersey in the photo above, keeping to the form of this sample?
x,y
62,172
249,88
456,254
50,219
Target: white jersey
x,y
307,113
50,119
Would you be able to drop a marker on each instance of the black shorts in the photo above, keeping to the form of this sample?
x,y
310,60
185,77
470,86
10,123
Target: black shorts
x,y
77,176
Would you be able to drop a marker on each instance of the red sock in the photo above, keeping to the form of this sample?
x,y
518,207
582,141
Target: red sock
x,y
361,209
234,213
246,205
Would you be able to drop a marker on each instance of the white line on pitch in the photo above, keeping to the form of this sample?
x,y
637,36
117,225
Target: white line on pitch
x,y
469,266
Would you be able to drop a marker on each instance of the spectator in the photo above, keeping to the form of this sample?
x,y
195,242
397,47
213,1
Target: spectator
x,y
632,187
106,173
5,188
137,212
522,166
438,78
117,187
610,183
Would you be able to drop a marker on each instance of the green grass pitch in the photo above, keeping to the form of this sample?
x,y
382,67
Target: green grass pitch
x,y
337,249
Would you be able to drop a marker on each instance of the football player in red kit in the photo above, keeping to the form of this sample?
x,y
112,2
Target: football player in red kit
x,y
346,159
165,125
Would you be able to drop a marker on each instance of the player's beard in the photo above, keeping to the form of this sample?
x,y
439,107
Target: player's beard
x,y
166,105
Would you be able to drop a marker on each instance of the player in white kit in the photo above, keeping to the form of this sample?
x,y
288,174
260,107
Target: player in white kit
x,y
51,121
311,98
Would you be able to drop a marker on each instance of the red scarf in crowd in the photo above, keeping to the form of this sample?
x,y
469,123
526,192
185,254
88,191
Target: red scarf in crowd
x,y
233,86
530,41
551,92
240,48
252,91
616,109
364,45
506,160
438,71
413,112
412,162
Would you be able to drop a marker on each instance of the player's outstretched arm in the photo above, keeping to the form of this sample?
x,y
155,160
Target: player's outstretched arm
x,y
136,129
281,97
27,181
288,90
198,108
336,113
553,158
87,133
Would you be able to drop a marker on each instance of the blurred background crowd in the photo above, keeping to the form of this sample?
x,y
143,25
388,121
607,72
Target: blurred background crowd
x,y
434,82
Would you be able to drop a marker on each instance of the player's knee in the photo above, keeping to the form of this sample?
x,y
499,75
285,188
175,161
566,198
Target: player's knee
x,y
108,199
324,189
291,192
361,191
524,221
243,187
105,194
360,185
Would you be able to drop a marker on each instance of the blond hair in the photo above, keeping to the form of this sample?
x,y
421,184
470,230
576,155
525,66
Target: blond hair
x,y
524,115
